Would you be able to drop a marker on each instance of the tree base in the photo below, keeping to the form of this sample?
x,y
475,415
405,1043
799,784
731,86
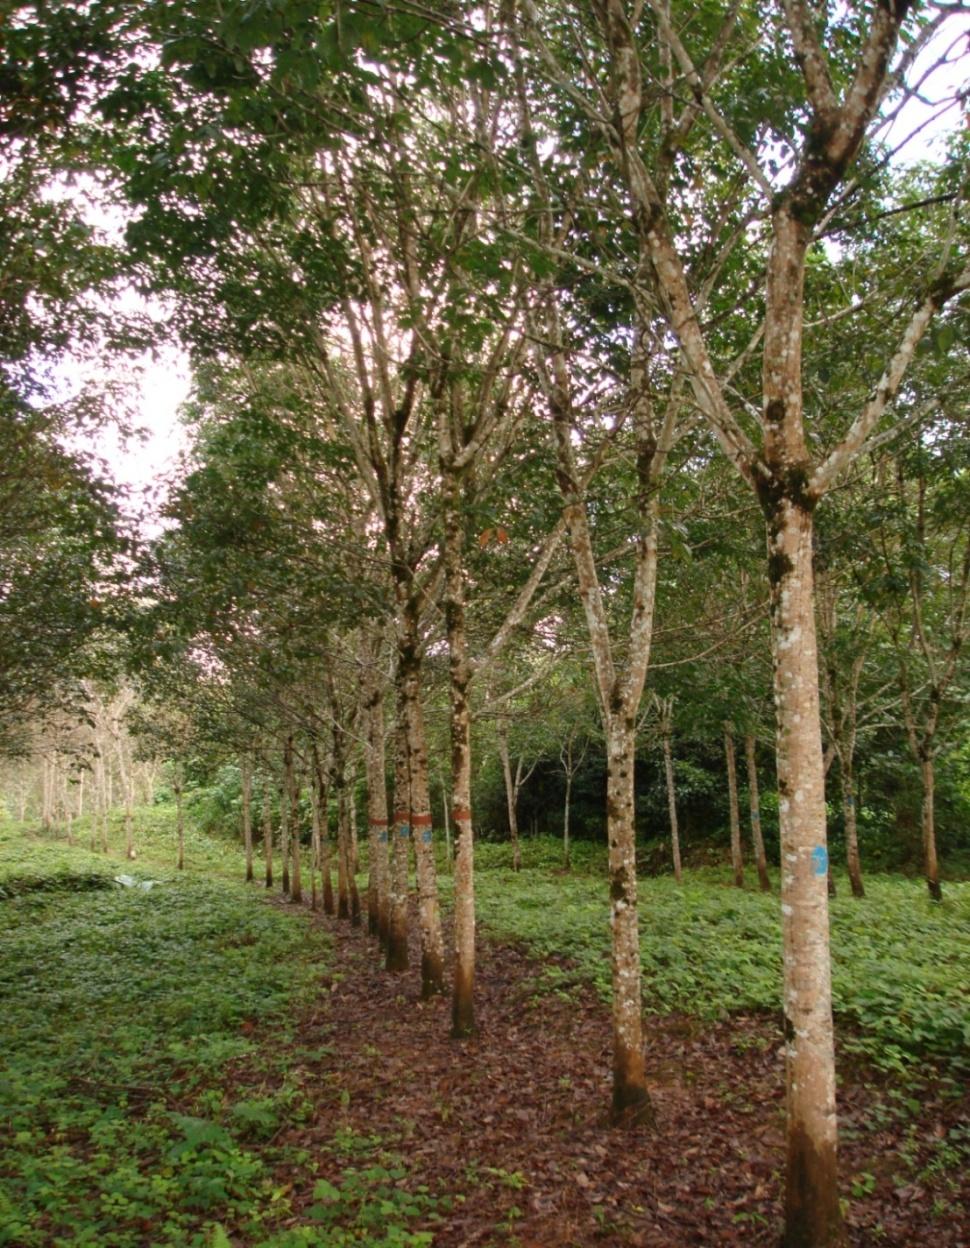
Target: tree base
x,y
432,976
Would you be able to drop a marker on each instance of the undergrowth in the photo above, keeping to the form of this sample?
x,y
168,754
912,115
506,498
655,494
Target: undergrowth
x,y
125,1013
901,963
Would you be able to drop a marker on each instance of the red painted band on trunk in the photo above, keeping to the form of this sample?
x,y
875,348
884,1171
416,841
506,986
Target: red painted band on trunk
x,y
400,816
379,823
459,813
421,821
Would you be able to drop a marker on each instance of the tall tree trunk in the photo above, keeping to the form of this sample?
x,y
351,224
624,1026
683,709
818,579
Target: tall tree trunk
x,y
352,818
314,840
268,832
630,1097
343,852
429,913
853,860
754,807
247,815
397,931
566,855
737,862
378,867
931,866
459,673
293,797
510,793
284,838
812,1209
326,844
672,806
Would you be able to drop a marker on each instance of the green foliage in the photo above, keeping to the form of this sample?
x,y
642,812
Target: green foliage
x,y
901,964
122,1010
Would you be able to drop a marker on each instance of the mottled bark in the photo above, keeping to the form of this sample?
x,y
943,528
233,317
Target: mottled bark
x,y
459,672
268,833
343,852
672,805
397,932
813,1216
737,862
511,794
284,840
429,914
754,809
631,1101
293,798
378,866
931,866
853,860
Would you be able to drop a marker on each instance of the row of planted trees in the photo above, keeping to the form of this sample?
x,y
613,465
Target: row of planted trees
x,y
532,314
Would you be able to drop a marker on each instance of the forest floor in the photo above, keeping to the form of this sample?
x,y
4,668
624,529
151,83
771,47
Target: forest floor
x,y
511,1125
201,1065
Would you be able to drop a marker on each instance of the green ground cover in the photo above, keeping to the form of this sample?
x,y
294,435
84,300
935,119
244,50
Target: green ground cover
x,y
901,963
123,1011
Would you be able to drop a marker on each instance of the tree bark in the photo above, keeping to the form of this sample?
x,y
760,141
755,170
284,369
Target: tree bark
x,y
754,807
293,797
459,672
853,859
429,915
510,793
672,806
377,813
813,1216
268,833
931,866
631,1100
397,932
737,862
285,838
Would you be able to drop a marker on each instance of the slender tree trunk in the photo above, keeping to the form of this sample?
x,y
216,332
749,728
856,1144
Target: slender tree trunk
x,y
293,797
459,673
931,866
737,862
285,839
314,841
566,855
326,845
247,816
375,766
397,932
853,859
672,806
510,794
754,806
343,852
268,832
429,914
352,817
812,1214
631,1101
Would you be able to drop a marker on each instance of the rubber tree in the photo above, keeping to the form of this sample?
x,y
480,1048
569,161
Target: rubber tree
x,y
655,84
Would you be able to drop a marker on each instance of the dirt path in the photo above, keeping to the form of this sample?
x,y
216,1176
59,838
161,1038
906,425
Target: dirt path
x,y
514,1119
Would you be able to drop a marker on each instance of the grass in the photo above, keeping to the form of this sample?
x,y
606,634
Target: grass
x,y
126,1013
901,963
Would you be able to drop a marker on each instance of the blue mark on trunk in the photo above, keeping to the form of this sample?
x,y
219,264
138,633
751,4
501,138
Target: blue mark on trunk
x,y
820,860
